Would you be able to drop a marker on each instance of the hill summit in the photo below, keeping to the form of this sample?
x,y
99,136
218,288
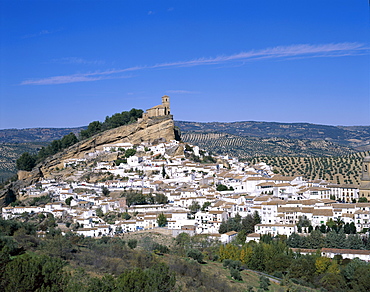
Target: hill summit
x,y
155,126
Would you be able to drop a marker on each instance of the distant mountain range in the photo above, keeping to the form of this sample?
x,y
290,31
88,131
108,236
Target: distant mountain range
x,y
357,137
36,134
241,139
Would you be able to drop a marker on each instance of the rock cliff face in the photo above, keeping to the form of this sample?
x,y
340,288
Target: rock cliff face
x,y
145,130
150,130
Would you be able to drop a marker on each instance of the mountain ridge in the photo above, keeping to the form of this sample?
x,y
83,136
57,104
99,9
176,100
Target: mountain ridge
x,y
341,134
36,134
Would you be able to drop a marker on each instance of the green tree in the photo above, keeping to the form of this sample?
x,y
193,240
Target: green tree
x,y
294,240
235,274
161,279
130,152
205,206
352,228
221,188
195,254
161,220
126,216
99,212
303,268
132,243
194,207
333,282
135,280
59,246
264,283
257,260
34,273
256,217
92,129
248,224
241,237
361,280
362,200
105,191
105,284
354,241
183,239
69,140
68,201
161,198
135,198
26,162
303,222
314,240
156,278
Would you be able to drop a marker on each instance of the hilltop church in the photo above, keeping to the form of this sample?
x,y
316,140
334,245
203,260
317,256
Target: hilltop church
x,y
159,110
364,190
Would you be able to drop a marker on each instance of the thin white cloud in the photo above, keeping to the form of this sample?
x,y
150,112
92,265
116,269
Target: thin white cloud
x,y
68,79
75,60
278,53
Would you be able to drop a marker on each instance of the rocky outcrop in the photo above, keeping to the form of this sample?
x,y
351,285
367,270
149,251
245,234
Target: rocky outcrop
x,y
150,130
10,192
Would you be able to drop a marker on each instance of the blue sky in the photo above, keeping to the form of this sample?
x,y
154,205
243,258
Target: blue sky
x,y
67,63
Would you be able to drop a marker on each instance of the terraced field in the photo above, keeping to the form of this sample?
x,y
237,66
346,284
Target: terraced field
x,y
247,147
357,137
341,169
313,159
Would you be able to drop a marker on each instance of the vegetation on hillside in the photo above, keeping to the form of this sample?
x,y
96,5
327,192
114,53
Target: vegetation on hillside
x,y
154,262
311,159
116,120
243,226
9,153
273,256
126,263
27,161
337,169
247,147
354,136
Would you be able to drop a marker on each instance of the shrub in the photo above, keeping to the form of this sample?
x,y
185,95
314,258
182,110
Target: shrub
x,y
196,255
132,243
235,274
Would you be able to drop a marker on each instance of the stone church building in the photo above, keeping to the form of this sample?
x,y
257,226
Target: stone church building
x,y
364,190
159,110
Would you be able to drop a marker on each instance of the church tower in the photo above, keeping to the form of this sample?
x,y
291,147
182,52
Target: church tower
x,y
166,104
365,178
365,175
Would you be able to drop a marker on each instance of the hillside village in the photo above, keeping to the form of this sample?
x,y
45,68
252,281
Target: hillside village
x,y
199,194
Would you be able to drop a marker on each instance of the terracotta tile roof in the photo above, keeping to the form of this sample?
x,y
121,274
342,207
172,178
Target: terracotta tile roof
x,y
322,212
348,251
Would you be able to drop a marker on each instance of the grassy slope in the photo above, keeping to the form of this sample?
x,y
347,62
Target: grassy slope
x,y
212,276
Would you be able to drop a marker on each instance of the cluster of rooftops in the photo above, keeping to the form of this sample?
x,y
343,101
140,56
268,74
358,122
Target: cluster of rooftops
x,y
195,202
